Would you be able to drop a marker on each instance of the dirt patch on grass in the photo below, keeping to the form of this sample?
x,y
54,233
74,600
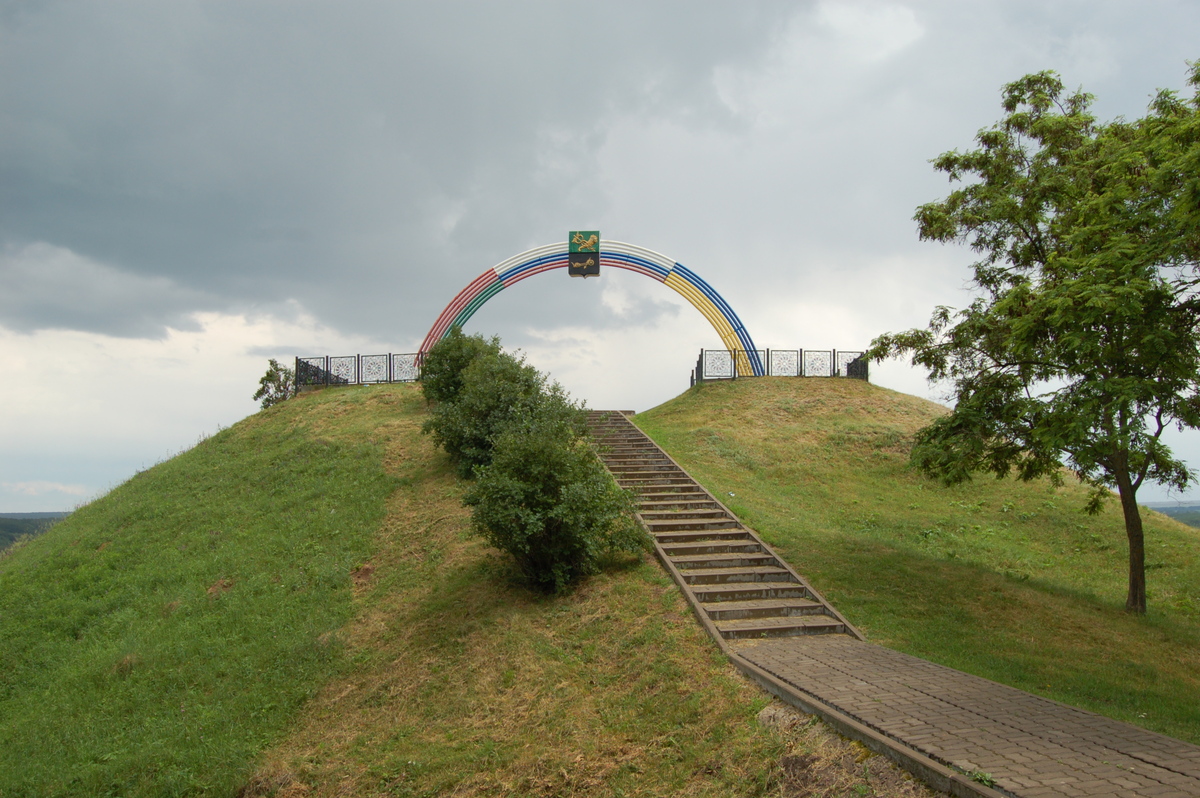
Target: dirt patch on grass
x,y
272,782
220,586
820,762
361,576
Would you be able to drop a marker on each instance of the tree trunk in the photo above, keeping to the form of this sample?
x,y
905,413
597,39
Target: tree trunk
x,y
1135,601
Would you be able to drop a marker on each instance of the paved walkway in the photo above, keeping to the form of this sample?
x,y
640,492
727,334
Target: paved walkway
x,y
1029,745
960,733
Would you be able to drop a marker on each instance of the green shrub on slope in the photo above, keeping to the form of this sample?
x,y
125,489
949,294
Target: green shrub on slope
x,y
441,373
547,500
497,388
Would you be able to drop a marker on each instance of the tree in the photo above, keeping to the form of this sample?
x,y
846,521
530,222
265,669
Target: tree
x,y
441,372
277,385
1081,346
496,388
546,499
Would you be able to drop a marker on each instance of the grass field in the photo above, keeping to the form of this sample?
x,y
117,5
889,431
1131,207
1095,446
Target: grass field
x,y
297,607
153,641
1003,579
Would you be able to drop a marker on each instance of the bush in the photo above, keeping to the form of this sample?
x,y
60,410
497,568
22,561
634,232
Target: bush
x,y
441,372
496,389
548,501
277,385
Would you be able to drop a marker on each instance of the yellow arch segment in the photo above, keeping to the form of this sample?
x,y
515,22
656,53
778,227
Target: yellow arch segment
x,y
715,318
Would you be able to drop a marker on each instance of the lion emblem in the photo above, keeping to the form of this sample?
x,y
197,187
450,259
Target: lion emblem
x,y
586,244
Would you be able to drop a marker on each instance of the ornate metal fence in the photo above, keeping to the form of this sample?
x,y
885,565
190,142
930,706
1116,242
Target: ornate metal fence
x,y
725,364
357,369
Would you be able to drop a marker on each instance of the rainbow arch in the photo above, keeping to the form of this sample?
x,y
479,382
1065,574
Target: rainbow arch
x,y
617,255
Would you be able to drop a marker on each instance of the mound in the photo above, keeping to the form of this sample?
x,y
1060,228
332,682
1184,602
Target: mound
x,y
151,641
1003,579
298,607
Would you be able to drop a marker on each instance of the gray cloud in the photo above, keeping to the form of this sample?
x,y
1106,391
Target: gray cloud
x,y
357,158
369,159
48,287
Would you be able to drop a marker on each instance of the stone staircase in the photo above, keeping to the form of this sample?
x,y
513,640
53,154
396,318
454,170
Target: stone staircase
x,y
738,587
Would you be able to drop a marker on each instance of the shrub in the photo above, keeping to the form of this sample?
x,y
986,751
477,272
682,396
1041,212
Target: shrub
x,y
277,385
441,372
547,500
496,388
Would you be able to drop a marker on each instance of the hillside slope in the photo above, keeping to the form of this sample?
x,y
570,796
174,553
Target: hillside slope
x,y
297,607
153,640
1003,579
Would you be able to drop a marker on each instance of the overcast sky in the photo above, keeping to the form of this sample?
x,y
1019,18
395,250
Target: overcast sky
x,y
189,188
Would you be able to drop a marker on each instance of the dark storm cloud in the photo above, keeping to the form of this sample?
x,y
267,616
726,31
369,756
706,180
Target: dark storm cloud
x,y
369,159
366,159
47,287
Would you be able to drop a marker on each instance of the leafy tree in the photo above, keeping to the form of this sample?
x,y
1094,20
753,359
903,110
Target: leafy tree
x,y
441,372
546,499
1080,348
496,388
277,385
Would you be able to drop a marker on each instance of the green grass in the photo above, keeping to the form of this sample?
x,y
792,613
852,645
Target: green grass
x,y
999,578
153,642
297,606
467,682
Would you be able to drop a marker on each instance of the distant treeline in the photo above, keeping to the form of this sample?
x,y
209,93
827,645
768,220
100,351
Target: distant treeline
x,y
14,525
1185,513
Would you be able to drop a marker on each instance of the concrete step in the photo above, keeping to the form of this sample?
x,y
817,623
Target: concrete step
x,y
676,515
645,469
727,560
674,550
762,608
697,535
657,526
653,481
725,576
750,591
646,457
672,493
677,505
779,627
687,491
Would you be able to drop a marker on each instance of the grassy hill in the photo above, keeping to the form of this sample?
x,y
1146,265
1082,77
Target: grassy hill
x,y
998,578
297,607
155,639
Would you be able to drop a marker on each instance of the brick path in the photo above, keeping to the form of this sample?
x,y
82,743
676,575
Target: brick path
x,y
1030,745
942,724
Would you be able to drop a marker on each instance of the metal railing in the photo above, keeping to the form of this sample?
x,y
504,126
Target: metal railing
x,y
713,364
357,369
730,364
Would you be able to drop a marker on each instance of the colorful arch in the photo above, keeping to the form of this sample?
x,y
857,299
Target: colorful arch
x,y
617,255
